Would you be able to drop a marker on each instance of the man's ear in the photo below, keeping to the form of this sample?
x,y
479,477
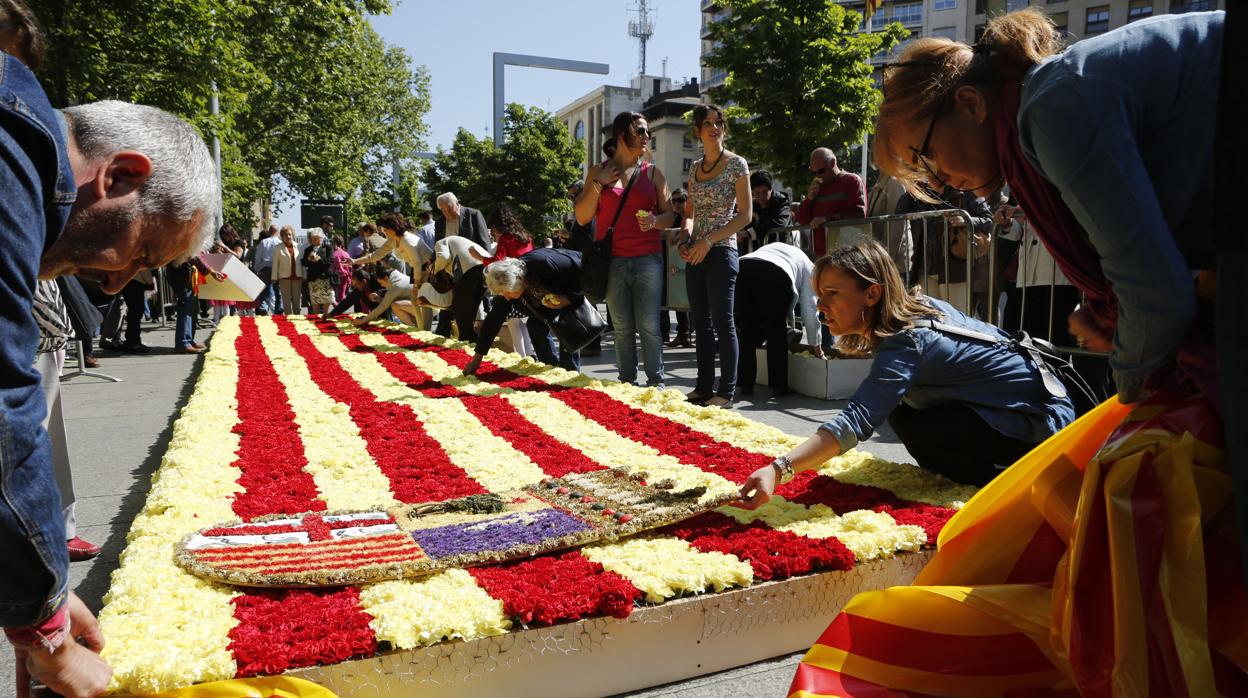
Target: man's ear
x,y
122,173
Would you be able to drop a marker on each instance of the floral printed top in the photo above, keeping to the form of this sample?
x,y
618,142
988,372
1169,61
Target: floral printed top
x,y
715,200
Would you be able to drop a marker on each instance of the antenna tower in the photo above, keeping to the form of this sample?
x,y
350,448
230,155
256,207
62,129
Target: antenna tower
x,y
641,29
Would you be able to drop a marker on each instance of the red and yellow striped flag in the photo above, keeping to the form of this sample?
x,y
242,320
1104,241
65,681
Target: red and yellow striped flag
x,y
1083,570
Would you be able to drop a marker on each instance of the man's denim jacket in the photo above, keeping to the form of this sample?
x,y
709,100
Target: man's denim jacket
x,y
36,192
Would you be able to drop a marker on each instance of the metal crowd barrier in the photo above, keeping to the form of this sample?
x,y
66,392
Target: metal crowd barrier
x,y
845,232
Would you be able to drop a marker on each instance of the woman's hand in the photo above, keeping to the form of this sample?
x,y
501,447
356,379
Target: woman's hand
x,y
471,368
555,301
360,321
699,250
356,262
1088,333
605,174
645,220
758,488
217,275
472,252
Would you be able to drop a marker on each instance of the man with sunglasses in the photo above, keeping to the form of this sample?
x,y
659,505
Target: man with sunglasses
x,y
834,194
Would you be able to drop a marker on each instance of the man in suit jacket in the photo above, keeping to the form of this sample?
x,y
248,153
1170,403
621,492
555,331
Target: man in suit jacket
x,y
461,220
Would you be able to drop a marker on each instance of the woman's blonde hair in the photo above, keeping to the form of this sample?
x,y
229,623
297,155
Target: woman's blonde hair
x,y
929,70
868,262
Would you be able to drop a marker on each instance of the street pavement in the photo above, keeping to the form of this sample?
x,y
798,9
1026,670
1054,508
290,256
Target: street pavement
x,y
118,433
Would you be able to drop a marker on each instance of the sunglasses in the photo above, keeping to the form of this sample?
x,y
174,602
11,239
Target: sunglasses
x,y
641,130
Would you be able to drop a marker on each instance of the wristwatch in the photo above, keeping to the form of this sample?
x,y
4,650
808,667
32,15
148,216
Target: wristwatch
x,y
783,466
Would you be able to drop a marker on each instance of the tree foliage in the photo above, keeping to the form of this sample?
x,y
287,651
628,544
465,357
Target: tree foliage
x,y
310,94
530,171
798,79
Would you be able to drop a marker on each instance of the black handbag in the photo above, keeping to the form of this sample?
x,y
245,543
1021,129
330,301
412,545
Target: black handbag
x,y
596,258
575,326
1057,372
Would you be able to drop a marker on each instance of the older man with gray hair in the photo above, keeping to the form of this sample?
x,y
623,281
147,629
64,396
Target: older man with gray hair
x,y
101,190
833,194
461,220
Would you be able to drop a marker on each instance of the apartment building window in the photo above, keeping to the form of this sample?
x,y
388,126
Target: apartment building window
x,y
1098,20
1181,6
981,7
1139,9
579,132
654,143
686,141
686,165
945,33
979,31
1059,21
910,13
945,5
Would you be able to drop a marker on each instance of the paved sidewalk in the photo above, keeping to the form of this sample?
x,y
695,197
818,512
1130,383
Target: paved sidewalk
x,y
118,433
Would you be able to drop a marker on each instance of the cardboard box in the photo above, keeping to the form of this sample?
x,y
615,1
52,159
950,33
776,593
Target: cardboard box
x,y
239,285
837,379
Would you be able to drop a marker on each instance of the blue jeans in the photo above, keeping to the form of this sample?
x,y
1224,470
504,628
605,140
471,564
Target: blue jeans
x,y
634,294
184,303
712,287
544,345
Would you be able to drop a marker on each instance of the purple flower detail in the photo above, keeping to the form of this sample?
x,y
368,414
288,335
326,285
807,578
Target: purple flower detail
x,y
498,534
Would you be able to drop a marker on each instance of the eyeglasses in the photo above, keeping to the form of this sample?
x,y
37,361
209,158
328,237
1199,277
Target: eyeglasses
x,y
919,156
641,130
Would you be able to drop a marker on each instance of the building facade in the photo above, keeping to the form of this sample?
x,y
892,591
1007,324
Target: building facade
x,y
588,120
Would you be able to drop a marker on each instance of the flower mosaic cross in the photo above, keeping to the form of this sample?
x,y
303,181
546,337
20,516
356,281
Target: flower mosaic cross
x,y
315,549
295,421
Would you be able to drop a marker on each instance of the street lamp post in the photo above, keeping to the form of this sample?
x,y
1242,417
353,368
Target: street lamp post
x,y
501,60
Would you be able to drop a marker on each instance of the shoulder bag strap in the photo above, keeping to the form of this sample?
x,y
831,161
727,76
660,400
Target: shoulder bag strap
x,y
623,199
961,331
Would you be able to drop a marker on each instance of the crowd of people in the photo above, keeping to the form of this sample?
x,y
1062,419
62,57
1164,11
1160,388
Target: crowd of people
x,y
953,386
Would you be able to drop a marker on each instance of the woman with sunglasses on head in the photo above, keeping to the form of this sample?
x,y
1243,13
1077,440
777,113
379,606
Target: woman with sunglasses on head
x,y
633,195
965,408
718,208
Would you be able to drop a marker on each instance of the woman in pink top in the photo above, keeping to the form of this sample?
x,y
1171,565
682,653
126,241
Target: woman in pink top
x,y
635,286
342,268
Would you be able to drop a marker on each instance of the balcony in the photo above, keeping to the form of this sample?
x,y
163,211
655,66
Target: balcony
x,y
708,5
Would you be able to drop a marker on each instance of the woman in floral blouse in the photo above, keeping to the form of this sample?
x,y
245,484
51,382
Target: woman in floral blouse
x,y
719,206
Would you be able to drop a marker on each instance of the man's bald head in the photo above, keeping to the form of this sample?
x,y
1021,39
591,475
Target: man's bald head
x,y
822,158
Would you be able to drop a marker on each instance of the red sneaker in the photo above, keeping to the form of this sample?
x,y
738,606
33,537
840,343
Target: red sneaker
x,y
80,549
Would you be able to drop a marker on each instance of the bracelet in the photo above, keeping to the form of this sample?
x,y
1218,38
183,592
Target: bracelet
x,y
783,466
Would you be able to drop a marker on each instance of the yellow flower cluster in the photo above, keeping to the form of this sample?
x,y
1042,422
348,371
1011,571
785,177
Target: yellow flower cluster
x,y
166,628
447,606
666,567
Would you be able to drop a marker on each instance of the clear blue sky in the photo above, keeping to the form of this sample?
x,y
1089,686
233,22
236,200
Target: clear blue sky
x,y
456,40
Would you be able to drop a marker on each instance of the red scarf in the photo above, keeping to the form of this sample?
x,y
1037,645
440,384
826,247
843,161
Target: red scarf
x,y
1048,215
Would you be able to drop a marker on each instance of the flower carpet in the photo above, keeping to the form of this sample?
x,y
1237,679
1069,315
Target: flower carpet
x,y
293,415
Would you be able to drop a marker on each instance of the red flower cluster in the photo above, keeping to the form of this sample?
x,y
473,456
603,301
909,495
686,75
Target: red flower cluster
x,y
270,452
557,588
773,554
488,372
416,464
811,488
283,629
553,456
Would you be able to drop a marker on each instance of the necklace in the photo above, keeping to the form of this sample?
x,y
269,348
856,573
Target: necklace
x,y
705,169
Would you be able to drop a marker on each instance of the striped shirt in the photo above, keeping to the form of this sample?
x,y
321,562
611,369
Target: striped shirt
x,y
52,317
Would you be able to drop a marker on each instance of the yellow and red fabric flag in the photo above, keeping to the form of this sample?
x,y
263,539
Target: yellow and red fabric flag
x,y
870,8
1104,563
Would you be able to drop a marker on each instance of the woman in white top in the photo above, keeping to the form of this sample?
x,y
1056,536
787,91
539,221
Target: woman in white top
x,y
288,272
454,255
408,247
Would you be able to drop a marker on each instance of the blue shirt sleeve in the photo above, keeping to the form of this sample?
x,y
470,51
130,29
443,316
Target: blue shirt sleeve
x,y
1099,171
896,365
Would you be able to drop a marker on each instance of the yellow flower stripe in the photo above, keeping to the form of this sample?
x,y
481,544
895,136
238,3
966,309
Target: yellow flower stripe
x,y
664,567
167,628
604,446
854,466
449,605
486,458
869,535
346,476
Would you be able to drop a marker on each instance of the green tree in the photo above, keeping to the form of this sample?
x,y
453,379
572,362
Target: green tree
x,y
530,171
798,79
310,95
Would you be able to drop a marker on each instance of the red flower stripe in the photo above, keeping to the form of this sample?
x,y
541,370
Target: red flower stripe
x,y
811,488
416,464
773,554
664,435
293,528
557,588
285,629
554,457
270,453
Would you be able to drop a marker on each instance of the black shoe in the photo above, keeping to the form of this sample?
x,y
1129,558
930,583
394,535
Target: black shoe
x,y
136,348
697,398
110,345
